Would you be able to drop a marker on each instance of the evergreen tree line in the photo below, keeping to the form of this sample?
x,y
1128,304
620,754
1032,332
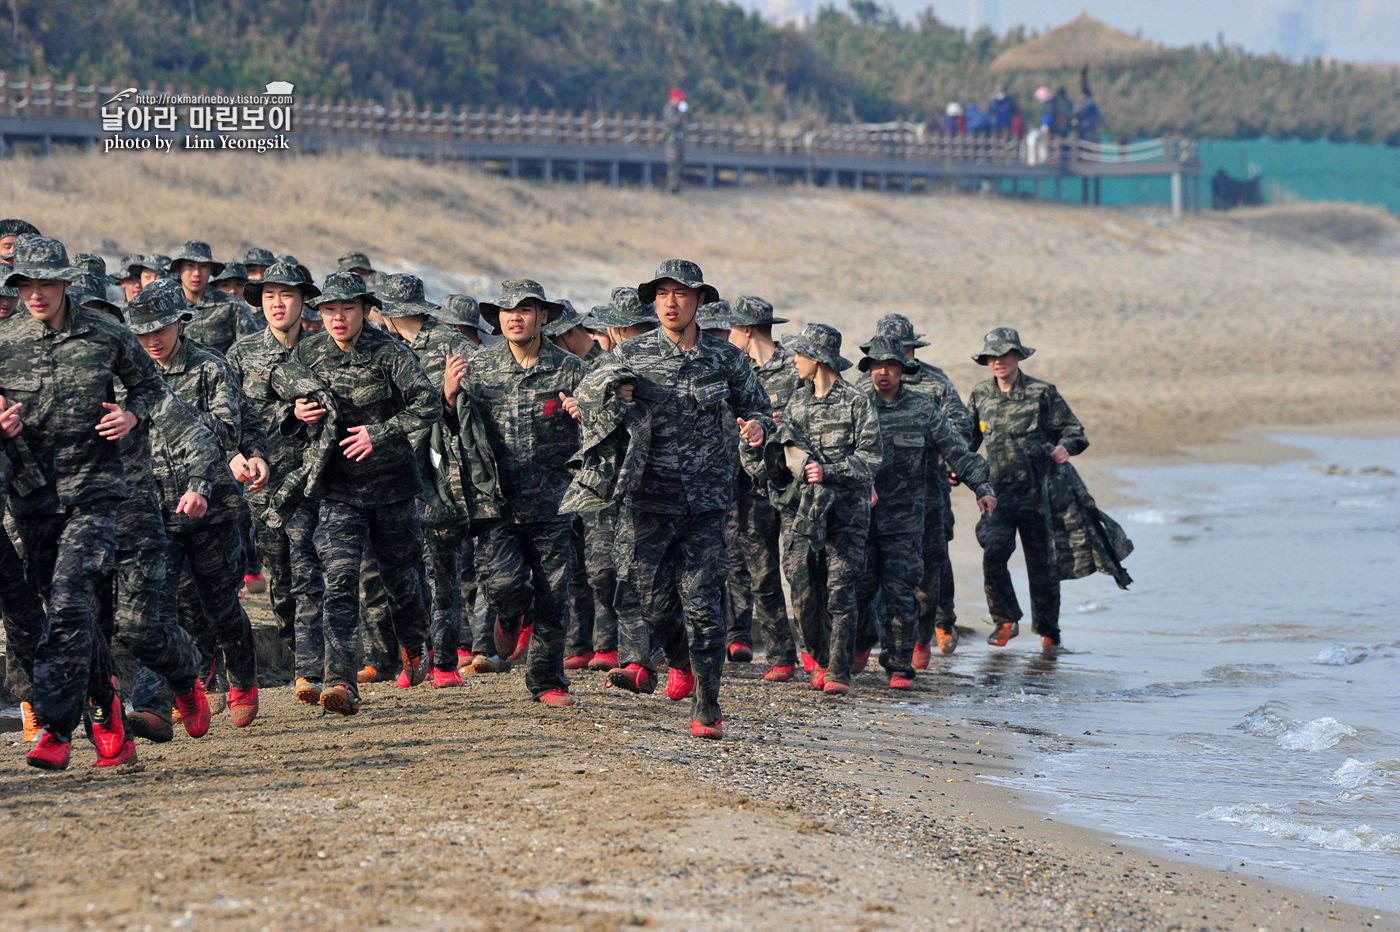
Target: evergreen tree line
x,y
860,63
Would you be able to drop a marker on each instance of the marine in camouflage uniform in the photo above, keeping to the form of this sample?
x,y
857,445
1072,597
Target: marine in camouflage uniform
x,y
383,398
297,586
703,397
937,614
1024,428
532,437
256,261
443,354
204,553
223,317
842,440
758,524
912,431
673,140
60,362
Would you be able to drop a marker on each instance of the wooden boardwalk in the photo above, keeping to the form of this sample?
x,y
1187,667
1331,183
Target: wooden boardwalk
x,y
613,148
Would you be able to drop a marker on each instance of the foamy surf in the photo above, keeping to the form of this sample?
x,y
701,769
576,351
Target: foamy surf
x,y
1280,822
1356,776
1341,656
1293,735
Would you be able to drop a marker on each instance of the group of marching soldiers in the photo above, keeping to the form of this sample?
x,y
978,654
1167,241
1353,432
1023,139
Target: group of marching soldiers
x,y
436,490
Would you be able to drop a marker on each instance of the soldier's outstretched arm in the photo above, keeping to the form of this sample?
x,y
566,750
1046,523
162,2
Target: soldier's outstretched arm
x,y
748,399
1063,425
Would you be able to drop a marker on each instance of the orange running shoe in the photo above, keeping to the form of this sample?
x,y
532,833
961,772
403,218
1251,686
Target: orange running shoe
x,y
714,731
367,674
443,679
31,722
779,673
1048,644
1003,634
339,700
922,656
900,681
680,683
243,706
947,641
308,692
557,699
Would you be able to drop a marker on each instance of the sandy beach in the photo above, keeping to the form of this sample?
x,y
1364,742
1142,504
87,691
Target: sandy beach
x,y
474,808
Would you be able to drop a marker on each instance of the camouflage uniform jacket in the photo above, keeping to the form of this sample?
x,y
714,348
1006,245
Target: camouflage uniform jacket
x,y
779,377
912,432
1020,428
933,383
63,377
380,385
225,318
252,359
204,380
184,456
841,431
695,397
435,342
531,435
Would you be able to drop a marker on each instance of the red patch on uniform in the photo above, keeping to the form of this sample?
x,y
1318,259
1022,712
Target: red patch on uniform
x,y
551,407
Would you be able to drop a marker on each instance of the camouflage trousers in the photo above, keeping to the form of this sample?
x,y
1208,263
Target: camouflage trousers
x,y
755,545
599,531
676,565
442,554
583,607
675,156
824,584
894,564
997,535
379,646
130,615
342,532
23,615
738,586
67,555
523,570
933,612
296,586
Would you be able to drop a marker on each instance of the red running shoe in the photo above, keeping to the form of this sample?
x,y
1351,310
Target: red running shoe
x,y
862,659
557,699
1003,634
633,678
507,639
442,679
414,666
680,683
255,582
604,660
522,645
714,731
779,673
578,661
463,657
833,688
108,727
922,656
126,756
194,710
402,681
808,663
49,753
900,681
243,706
152,727
818,679
740,653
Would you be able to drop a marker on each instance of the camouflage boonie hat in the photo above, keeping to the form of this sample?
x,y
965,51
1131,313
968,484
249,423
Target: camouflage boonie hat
x,y
460,310
899,327
13,226
885,348
999,342
568,319
624,309
259,257
89,290
717,315
40,258
196,250
160,304
279,273
678,270
294,261
751,311
342,286
591,323
130,266
156,262
233,271
402,296
95,266
513,293
354,260
820,342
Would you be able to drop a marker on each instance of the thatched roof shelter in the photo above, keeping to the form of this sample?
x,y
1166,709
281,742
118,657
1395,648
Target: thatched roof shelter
x,y
1083,43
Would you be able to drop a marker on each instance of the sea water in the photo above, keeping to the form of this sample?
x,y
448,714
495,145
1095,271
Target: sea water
x,y
1239,704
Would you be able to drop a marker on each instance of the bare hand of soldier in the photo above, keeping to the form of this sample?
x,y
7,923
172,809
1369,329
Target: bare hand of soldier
x,y
1060,455
10,424
238,465
752,431
813,471
116,423
570,405
308,411
192,504
452,379
357,446
987,504
260,473
625,393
